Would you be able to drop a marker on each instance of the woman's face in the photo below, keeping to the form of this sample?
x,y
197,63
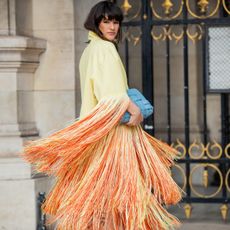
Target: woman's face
x,y
109,28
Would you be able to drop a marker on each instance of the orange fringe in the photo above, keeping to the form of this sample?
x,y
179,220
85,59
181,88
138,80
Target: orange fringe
x,y
109,176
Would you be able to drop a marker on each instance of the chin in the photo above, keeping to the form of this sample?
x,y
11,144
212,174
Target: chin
x,y
110,38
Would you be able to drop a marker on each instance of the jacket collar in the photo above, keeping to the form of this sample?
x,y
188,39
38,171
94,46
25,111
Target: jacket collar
x,y
93,36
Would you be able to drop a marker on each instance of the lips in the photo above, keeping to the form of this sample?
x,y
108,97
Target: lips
x,y
111,33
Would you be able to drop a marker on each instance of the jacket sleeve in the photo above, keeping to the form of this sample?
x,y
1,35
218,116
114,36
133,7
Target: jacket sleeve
x,y
109,77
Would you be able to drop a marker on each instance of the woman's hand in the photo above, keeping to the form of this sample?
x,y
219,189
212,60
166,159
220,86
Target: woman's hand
x,y
136,117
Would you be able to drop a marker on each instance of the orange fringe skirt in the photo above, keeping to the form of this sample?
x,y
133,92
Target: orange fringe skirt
x,y
109,176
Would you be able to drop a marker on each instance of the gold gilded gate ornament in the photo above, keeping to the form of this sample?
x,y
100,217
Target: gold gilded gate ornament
x,y
203,5
227,180
195,36
167,4
226,150
126,7
168,9
180,148
131,37
167,31
182,172
203,151
207,8
199,147
206,165
224,211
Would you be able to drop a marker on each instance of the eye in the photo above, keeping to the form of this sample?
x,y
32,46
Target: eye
x,y
115,22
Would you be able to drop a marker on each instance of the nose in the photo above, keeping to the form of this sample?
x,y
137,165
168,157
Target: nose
x,y
112,25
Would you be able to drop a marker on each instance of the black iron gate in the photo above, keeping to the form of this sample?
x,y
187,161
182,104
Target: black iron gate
x,y
188,31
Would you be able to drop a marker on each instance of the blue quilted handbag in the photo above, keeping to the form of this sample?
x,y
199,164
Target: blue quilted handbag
x,y
137,97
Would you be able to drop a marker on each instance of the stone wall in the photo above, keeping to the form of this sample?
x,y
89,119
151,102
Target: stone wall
x,y
37,95
54,85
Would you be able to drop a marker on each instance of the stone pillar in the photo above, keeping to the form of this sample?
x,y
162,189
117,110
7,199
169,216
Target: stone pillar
x,y
7,17
19,59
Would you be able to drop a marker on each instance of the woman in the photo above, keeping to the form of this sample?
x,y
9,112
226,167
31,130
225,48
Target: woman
x,y
110,175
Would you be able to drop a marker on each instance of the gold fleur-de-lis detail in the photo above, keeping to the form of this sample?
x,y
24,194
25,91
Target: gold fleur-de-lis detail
x,y
167,4
126,7
203,4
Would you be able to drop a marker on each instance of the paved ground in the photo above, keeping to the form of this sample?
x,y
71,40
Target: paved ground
x,y
204,217
204,226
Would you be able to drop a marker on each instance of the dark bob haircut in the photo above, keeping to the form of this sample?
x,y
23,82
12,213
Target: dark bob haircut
x,y
103,10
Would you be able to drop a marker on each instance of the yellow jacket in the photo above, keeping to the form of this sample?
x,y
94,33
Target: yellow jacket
x,y
102,73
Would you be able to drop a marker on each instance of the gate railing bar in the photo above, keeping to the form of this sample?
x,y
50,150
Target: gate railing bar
x,y
186,100
147,62
219,160
41,216
224,136
168,89
218,21
205,200
204,73
209,21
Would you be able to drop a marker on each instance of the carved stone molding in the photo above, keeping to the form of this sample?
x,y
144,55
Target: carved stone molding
x,y
19,59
